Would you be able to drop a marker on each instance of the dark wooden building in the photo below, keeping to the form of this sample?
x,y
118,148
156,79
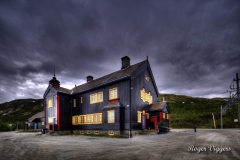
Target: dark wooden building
x,y
119,102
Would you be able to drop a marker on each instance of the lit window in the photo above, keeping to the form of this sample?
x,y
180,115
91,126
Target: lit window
x,y
50,120
139,116
81,100
100,97
164,116
74,102
42,123
113,93
82,119
147,115
96,97
50,103
111,116
89,118
168,116
75,120
110,133
98,118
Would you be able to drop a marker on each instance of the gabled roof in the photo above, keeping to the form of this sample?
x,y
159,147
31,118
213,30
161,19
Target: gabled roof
x,y
37,115
159,106
120,74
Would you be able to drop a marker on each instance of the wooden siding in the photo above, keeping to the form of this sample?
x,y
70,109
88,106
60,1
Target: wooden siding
x,y
139,82
65,111
52,111
87,108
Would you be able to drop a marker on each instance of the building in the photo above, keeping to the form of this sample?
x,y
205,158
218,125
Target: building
x,y
121,102
36,121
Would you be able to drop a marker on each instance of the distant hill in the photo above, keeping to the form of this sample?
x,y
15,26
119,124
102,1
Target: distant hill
x,y
185,111
189,111
20,110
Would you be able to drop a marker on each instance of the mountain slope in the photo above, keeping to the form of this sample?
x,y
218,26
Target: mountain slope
x,y
186,112
20,110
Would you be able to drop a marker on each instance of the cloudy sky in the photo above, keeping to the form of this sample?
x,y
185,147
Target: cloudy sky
x,y
193,45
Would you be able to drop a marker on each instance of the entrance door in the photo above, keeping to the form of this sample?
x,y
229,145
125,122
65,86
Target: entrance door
x,y
35,125
154,120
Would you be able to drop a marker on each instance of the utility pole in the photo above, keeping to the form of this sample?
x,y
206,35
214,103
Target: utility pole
x,y
238,98
214,121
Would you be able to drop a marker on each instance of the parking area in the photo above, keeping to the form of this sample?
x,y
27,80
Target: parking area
x,y
177,144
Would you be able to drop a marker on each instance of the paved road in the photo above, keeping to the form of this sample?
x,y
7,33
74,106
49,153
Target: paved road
x,y
178,144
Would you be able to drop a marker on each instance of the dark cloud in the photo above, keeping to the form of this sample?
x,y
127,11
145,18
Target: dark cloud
x,y
193,46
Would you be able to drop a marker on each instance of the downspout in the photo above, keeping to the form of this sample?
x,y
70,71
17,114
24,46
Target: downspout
x,y
130,109
71,99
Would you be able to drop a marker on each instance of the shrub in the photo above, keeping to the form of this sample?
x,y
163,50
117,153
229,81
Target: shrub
x,y
4,127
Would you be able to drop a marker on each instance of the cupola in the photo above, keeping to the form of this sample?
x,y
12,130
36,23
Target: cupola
x,y
54,82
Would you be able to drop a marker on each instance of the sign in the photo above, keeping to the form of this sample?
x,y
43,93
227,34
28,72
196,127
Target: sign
x,y
235,120
147,78
145,97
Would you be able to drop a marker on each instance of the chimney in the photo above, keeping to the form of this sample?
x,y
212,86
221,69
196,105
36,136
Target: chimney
x,y
89,78
125,62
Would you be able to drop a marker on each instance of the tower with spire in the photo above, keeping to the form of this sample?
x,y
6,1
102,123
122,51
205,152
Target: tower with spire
x,y
54,82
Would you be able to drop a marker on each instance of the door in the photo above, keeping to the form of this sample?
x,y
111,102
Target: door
x,y
35,126
154,120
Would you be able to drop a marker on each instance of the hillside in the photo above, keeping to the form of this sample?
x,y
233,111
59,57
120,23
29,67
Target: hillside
x,y
20,110
185,111
189,111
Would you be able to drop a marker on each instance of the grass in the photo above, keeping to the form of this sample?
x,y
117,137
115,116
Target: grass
x,y
186,112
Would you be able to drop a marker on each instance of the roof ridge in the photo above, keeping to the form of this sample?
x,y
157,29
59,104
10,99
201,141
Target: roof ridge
x,y
119,74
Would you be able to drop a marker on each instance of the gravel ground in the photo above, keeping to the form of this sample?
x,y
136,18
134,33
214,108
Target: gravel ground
x,y
177,144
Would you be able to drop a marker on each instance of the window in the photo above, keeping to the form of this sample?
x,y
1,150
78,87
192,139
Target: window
x,y
96,97
82,119
168,116
113,93
111,133
95,118
89,118
164,117
42,123
74,102
111,116
139,116
75,120
147,115
50,120
98,118
50,103
100,97
81,100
